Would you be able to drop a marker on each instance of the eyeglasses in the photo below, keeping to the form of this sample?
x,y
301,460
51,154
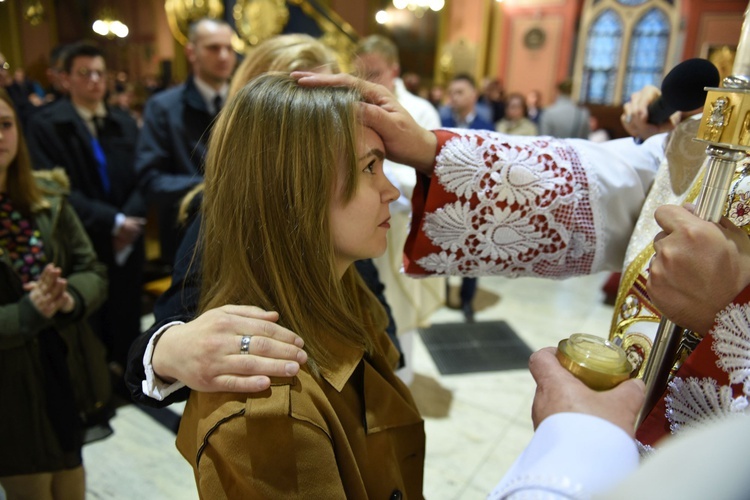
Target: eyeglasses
x,y
90,73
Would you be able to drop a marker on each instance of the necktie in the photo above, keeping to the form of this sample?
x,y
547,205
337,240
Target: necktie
x,y
101,159
218,101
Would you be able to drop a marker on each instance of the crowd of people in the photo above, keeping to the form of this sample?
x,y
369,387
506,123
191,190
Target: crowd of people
x,y
281,333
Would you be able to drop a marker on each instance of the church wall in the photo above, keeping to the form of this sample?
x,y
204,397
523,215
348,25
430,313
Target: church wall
x,y
531,64
527,44
23,44
482,37
358,13
463,43
709,23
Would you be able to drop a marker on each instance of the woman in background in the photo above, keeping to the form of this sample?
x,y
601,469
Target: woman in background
x,y
516,121
50,282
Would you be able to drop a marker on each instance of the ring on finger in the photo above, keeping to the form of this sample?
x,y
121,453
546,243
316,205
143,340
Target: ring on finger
x,y
245,344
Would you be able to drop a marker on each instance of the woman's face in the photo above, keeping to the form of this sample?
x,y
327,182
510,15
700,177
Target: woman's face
x,y
514,109
8,139
359,226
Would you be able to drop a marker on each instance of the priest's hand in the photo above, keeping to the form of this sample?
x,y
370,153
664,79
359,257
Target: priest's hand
x,y
635,114
558,391
699,267
405,141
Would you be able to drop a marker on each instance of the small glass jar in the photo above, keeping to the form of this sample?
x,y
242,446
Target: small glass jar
x,y
595,361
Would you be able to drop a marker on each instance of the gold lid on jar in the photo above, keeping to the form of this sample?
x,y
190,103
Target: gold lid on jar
x,y
595,361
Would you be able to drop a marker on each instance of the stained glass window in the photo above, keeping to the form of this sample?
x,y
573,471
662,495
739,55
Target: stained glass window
x,y
602,55
631,2
648,52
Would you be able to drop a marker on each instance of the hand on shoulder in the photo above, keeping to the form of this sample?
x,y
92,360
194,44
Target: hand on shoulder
x,y
206,355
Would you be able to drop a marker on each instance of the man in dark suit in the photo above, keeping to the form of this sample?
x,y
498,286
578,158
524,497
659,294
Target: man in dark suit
x,y
462,112
95,145
176,122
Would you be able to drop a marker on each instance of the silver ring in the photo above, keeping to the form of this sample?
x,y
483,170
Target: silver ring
x,y
245,344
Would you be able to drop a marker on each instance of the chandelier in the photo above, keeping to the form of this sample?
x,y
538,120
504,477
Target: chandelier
x,y
419,7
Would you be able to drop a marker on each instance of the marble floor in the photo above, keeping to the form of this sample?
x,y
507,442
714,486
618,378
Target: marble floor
x,y
476,424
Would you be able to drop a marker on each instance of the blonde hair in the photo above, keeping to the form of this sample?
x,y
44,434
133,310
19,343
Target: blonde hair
x,y
20,183
273,160
283,53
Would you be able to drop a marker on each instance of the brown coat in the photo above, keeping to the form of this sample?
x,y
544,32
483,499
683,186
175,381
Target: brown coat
x,y
353,433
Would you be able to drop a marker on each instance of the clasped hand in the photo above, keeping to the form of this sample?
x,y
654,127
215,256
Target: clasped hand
x,y
49,294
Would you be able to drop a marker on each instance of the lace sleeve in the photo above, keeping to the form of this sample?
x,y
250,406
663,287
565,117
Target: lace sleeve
x,y
513,206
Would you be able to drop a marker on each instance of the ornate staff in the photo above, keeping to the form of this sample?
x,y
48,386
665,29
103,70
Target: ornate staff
x,y
725,128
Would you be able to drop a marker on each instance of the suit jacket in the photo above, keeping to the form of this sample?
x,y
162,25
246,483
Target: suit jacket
x,y
172,144
478,123
170,153
59,137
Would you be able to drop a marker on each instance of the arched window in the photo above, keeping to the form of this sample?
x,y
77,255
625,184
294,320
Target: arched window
x,y
602,54
648,52
622,46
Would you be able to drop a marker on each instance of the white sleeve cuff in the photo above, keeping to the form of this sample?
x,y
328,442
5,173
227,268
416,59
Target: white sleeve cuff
x,y
571,455
153,387
119,221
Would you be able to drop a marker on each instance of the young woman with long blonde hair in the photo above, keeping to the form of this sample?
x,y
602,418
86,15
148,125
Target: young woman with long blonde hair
x,y
295,194
204,354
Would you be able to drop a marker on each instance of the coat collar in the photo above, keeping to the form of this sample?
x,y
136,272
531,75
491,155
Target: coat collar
x,y
386,402
192,96
346,358
63,111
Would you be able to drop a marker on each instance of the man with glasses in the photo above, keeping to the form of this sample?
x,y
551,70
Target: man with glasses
x,y
95,145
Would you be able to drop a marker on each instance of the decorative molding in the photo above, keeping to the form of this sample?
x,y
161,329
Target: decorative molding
x,y
180,13
534,38
338,34
258,20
